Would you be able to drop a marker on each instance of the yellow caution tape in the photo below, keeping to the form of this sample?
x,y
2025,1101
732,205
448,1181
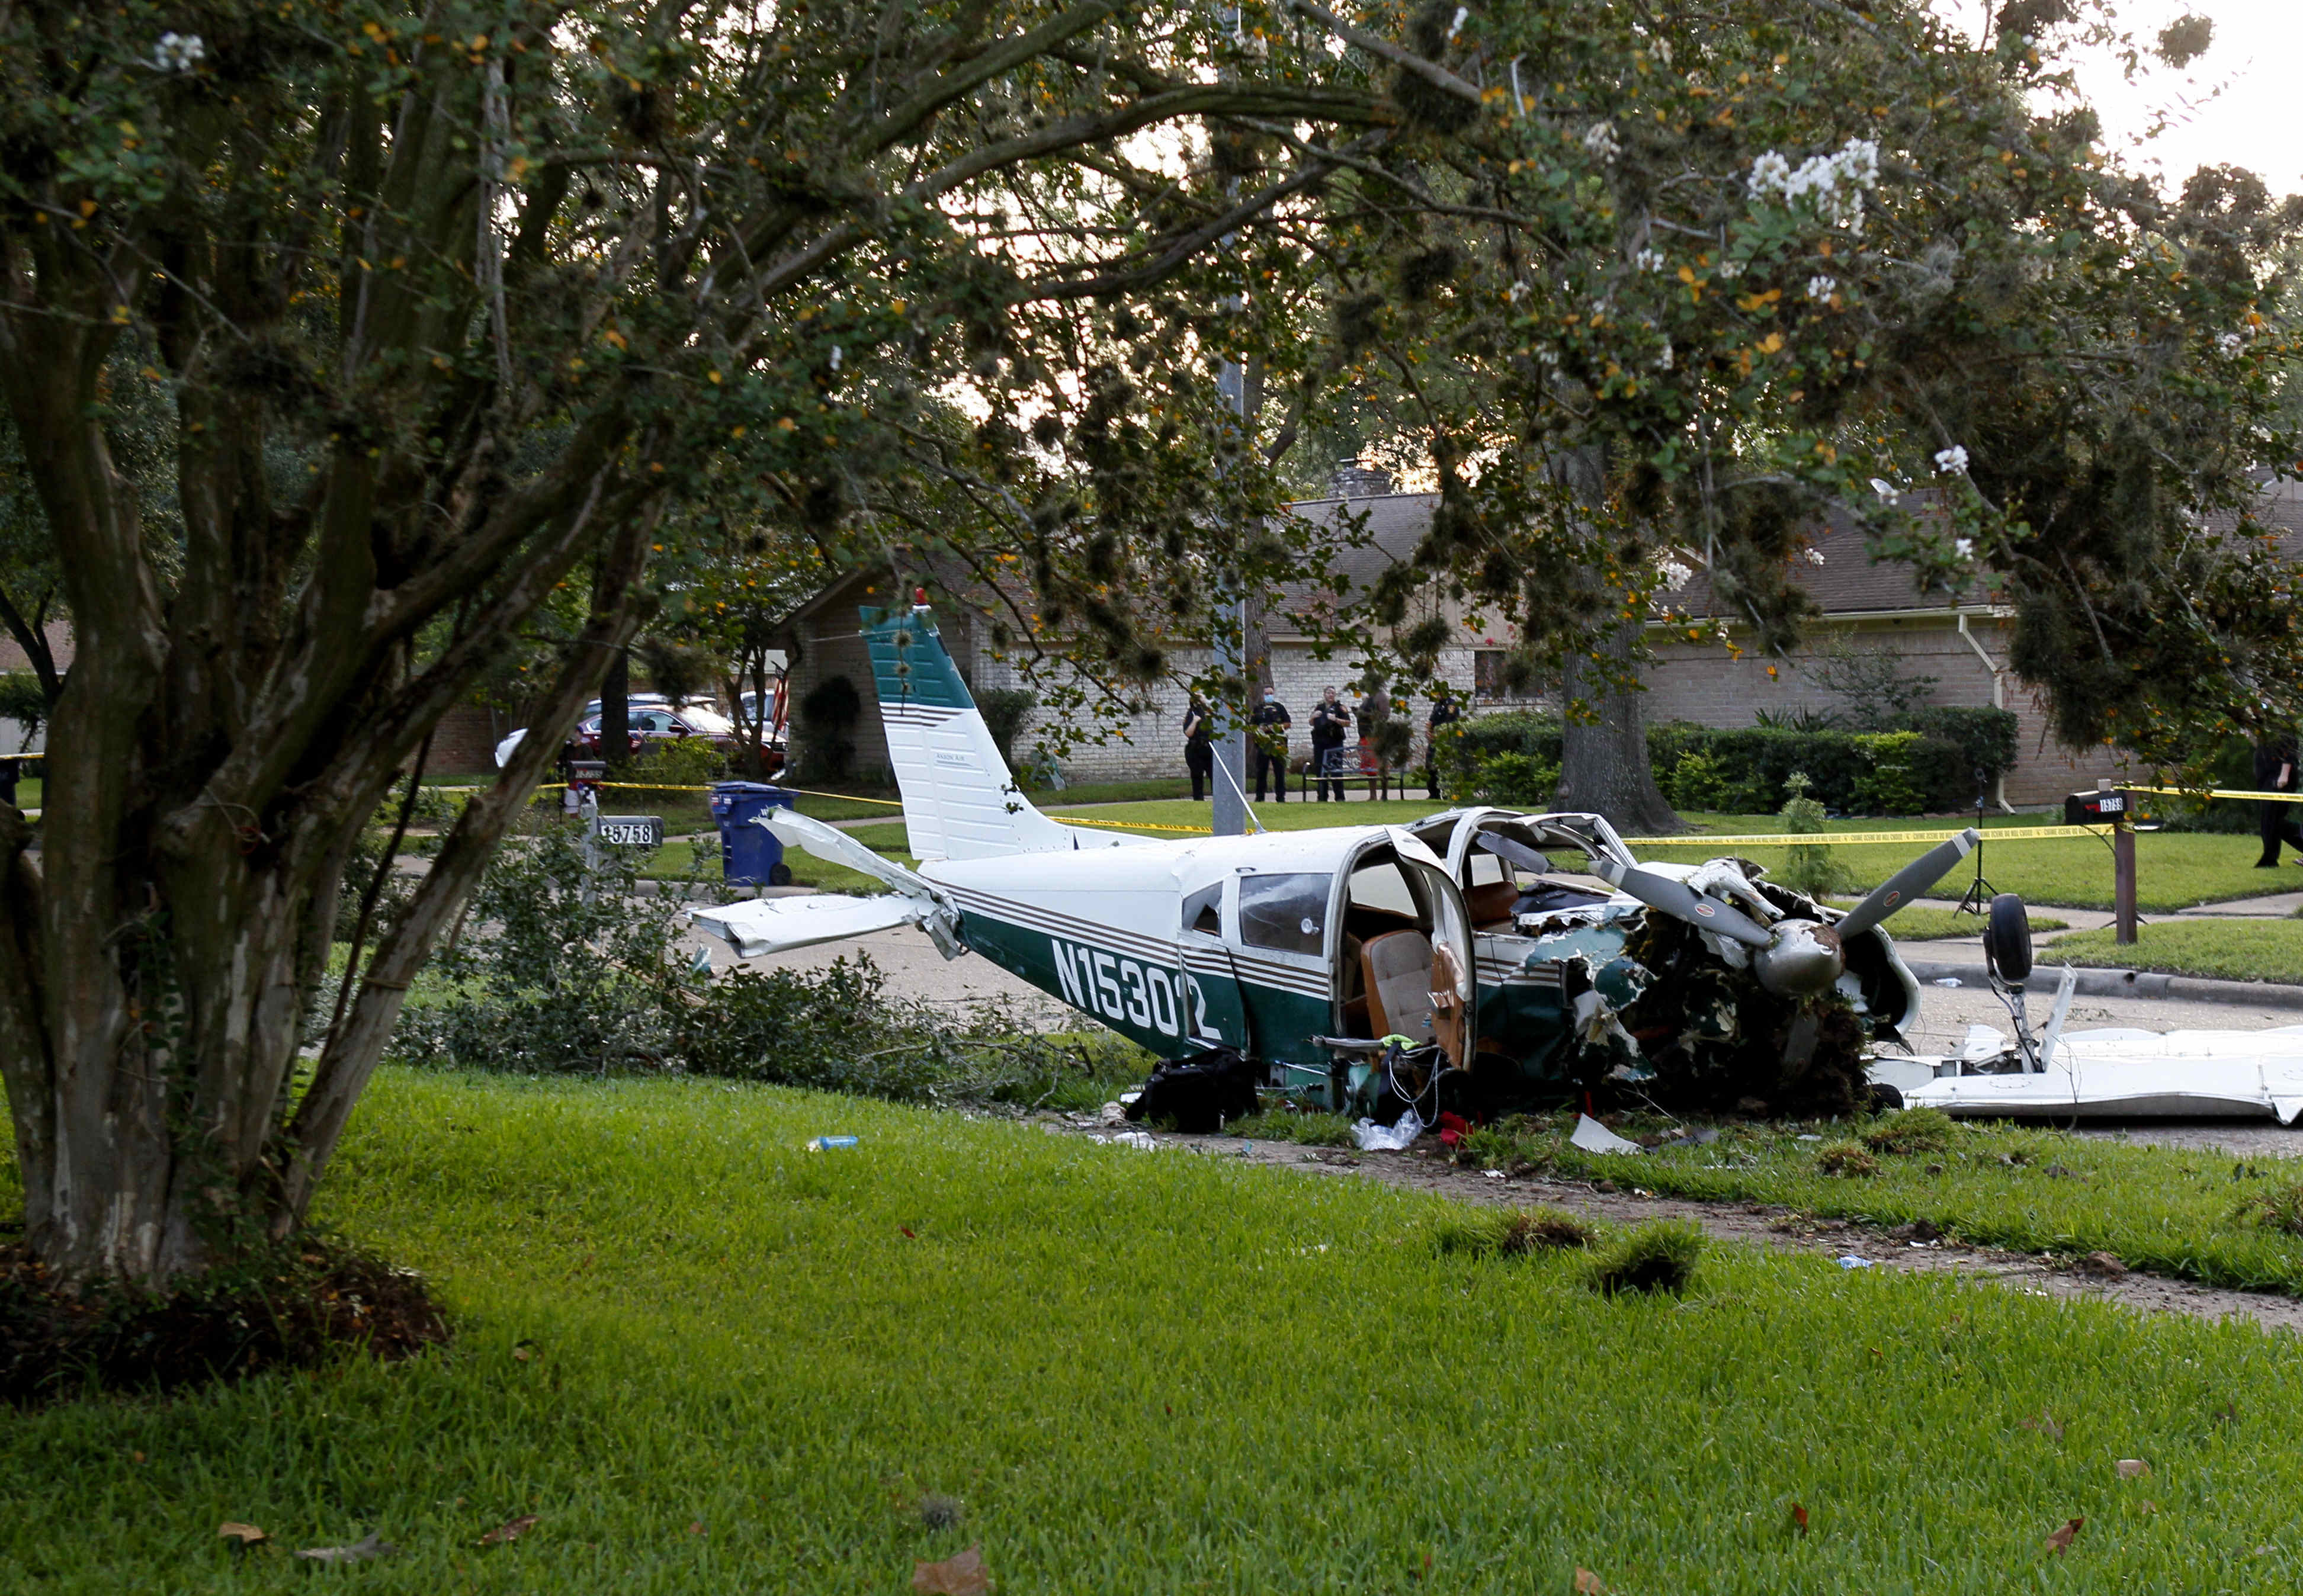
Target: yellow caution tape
x,y
1132,825
2220,793
2012,833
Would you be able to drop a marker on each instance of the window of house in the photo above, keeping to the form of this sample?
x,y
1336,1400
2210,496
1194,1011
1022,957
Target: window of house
x,y
1488,673
1288,914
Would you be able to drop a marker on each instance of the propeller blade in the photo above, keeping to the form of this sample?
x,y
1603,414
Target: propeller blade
x,y
1514,852
1678,899
1908,883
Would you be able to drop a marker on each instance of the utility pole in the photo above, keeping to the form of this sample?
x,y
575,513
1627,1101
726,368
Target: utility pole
x,y
1228,802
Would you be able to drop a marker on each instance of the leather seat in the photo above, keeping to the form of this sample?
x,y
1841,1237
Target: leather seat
x,y
1489,905
1397,965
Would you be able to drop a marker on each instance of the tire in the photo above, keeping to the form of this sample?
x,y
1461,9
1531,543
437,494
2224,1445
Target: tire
x,y
780,874
2007,938
1884,1099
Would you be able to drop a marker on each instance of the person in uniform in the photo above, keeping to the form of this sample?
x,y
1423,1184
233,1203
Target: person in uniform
x,y
1270,725
1329,720
2275,772
1445,712
1198,749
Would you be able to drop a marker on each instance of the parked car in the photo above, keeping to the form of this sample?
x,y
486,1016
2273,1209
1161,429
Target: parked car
x,y
655,723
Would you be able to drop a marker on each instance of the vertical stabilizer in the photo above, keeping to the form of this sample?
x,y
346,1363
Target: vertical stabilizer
x,y
960,799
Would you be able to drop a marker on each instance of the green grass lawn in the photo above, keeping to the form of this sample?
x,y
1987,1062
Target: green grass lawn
x,y
708,1361
1928,925
2174,871
2236,950
2170,1210
676,859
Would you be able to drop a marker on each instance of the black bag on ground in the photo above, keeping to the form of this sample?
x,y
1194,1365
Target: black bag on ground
x,y
1198,1092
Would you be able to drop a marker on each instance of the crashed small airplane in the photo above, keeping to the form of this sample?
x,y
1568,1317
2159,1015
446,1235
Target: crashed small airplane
x,y
1480,959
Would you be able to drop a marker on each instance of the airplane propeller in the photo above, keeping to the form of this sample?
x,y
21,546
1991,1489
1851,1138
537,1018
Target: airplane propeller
x,y
1796,958
1677,899
1908,883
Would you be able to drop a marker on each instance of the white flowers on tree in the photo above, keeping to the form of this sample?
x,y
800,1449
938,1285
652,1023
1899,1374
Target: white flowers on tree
x,y
1952,461
1834,183
1822,287
1600,141
178,52
1649,260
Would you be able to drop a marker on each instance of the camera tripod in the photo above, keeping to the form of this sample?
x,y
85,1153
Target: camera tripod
x,y
1978,900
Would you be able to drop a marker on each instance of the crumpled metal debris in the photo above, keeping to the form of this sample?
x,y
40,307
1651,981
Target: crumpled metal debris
x,y
1593,1137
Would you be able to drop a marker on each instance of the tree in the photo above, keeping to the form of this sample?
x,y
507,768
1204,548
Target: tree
x,y
1706,271
456,304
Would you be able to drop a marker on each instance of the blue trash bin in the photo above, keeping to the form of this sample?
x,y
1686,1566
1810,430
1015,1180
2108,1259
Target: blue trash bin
x,y
750,856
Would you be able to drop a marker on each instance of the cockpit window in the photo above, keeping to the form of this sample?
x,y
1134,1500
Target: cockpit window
x,y
1203,911
1285,912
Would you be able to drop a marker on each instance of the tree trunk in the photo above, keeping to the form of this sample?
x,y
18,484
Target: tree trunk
x,y
1603,762
616,712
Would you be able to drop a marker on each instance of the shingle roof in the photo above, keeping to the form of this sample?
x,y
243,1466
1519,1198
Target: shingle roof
x,y
1846,582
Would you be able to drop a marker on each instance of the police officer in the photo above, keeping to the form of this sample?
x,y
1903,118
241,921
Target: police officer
x,y
1329,720
1199,748
1445,712
1270,722
2275,772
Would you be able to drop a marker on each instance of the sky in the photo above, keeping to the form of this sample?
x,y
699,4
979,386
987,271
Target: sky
x,y
2255,120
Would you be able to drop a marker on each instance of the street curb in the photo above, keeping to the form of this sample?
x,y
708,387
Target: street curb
x,y
2128,983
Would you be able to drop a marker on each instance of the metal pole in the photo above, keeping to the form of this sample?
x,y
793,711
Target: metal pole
x,y
2122,891
1228,803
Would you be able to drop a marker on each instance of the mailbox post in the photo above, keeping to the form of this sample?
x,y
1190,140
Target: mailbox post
x,y
2115,808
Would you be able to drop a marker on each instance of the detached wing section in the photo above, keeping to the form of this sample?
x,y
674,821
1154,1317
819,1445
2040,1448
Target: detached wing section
x,y
2185,1074
776,925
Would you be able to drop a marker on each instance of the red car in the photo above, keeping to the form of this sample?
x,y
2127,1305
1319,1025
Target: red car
x,y
652,723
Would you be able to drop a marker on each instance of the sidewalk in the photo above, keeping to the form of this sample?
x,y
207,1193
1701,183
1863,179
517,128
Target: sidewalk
x,y
1961,958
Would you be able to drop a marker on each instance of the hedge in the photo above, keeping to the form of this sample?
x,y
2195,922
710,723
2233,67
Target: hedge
x,y
1927,767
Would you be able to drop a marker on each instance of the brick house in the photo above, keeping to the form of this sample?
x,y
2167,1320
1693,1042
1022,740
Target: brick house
x,y
1959,639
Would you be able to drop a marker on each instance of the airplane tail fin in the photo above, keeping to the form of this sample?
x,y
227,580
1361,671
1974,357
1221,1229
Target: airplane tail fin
x,y
961,799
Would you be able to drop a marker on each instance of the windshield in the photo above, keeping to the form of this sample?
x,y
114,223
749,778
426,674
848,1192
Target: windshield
x,y
1288,912
710,722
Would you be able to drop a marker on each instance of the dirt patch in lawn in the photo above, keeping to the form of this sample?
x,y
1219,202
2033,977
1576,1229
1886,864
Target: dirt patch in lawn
x,y
298,1306
1426,1168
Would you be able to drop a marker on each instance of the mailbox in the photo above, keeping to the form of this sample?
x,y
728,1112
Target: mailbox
x,y
632,831
2099,808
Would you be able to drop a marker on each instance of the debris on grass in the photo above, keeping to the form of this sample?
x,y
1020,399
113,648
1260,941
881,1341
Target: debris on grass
x,y
2280,1208
961,1576
1660,1256
1912,1131
2045,1424
244,1535
1515,1234
1845,1160
2131,1468
2103,1265
359,1552
939,1512
2060,1541
511,1530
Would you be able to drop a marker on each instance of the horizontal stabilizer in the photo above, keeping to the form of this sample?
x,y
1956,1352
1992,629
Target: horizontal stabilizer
x,y
761,926
835,847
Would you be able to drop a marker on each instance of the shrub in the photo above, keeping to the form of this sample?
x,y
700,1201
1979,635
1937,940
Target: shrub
x,y
1005,710
572,972
1890,786
1910,1131
677,762
1660,1256
1516,781
1808,869
1845,1160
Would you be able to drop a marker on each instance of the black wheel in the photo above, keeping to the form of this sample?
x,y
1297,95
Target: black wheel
x,y
780,874
2007,938
1884,1099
